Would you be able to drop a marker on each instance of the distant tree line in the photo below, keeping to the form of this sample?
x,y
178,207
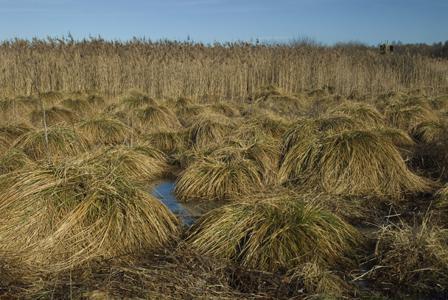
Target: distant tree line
x,y
436,50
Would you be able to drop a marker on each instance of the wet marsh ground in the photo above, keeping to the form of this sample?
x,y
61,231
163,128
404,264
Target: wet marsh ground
x,y
272,196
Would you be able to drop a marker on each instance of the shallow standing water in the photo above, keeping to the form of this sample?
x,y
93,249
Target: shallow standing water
x,y
188,212
164,191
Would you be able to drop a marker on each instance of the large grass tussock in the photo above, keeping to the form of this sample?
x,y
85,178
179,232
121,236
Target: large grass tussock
x,y
57,217
352,162
273,233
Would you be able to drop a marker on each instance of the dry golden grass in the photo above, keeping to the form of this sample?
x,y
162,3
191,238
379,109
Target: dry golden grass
x,y
274,232
279,102
413,258
104,130
430,132
363,112
218,178
190,114
53,116
134,99
156,117
59,216
352,162
209,130
236,70
250,144
10,132
139,164
55,142
4,145
442,198
169,142
265,122
73,196
80,107
13,160
223,108
13,108
440,103
321,282
407,115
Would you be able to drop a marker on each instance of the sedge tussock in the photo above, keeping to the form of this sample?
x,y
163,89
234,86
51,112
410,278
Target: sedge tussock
x,y
440,103
18,104
190,114
413,258
60,216
13,160
279,102
397,136
273,233
79,106
218,178
442,198
267,91
104,130
51,97
430,132
4,145
352,163
208,131
262,149
406,117
168,142
363,112
306,130
268,124
156,117
140,164
95,100
135,99
61,142
318,280
53,116
11,132
224,109
183,102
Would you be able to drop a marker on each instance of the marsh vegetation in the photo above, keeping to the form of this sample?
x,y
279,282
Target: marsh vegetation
x,y
298,171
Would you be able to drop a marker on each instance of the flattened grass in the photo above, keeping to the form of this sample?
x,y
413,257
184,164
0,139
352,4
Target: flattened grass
x,y
413,258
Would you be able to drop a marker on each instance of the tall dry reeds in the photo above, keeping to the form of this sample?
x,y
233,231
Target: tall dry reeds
x,y
173,69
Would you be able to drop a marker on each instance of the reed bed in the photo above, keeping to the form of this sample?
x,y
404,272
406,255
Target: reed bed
x,y
234,70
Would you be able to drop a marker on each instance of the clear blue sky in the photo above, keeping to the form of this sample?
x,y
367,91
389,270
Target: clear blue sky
x,y
327,21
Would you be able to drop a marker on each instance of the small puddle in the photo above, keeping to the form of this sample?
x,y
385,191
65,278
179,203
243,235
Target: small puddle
x,y
188,212
164,191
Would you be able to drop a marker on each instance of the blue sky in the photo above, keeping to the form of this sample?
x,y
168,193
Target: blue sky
x,y
327,21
